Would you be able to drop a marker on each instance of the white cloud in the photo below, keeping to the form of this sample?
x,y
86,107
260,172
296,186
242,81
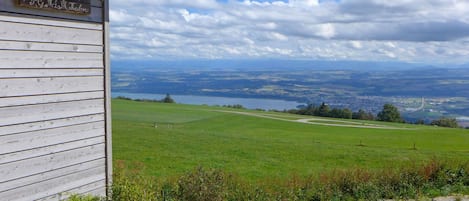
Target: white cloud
x,y
300,3
356,44
120,16
326,31
390,44
407,30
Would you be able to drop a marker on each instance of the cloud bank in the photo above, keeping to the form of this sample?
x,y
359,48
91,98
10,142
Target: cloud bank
x,y
423,31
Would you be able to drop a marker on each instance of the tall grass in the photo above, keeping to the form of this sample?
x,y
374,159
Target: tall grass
x,y
435,178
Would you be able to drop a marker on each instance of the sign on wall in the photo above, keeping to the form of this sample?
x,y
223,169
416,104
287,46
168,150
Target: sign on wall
x,y
81,7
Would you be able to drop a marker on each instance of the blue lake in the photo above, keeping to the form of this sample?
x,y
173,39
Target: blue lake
x,y
250,103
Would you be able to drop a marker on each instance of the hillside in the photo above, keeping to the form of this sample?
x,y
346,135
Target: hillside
x,y
171,139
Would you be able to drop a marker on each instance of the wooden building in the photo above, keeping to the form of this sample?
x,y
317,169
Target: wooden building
x,y
55,136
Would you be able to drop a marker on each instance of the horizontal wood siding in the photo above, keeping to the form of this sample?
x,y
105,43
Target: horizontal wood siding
x,y
58,47
54,148
45,112
52,103
35,59
55,186
49,124
96,188
50,34
47,73
50,175
31,141
51,98
49,85
49,22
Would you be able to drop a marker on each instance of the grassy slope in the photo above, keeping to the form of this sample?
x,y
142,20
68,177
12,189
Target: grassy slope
x,y
259,148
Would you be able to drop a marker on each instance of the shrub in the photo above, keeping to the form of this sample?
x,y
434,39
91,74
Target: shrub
x,y
446,122
130,184
434,178
202,185
123,98
85,198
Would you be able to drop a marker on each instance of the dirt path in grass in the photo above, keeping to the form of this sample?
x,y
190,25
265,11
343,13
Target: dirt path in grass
x,y
448,198
451,198
337,123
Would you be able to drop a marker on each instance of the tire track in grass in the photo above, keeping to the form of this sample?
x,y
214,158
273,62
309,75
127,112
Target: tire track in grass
x,y
308,121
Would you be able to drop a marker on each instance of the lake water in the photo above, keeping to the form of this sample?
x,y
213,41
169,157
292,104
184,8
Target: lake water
x,y
463,118
250,103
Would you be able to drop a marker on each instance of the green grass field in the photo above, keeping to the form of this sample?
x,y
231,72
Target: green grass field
x,y
262,146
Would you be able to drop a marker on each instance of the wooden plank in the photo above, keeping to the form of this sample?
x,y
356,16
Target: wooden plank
x,y
17,183
44,189
38,73
56,47
96,189
33,59
54,98
40,33
38,139
44,86
28,127
42,164
6,17
108,98
51,149
96,14
44,112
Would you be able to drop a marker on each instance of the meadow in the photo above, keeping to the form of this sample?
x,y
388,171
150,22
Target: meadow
x,y
169,140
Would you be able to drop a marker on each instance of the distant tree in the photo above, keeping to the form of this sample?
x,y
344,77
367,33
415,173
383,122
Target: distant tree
x,y
347,113
293,111
310,109
235,106
238,106
335,113
446,122
390,113
341,113
123,98
167,99
420,122
324,110
362,115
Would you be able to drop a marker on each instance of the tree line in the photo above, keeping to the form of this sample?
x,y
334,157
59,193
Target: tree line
x,y
325,110
389,113
166,99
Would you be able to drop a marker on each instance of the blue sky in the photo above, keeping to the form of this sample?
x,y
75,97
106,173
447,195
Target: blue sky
x,y
416,31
